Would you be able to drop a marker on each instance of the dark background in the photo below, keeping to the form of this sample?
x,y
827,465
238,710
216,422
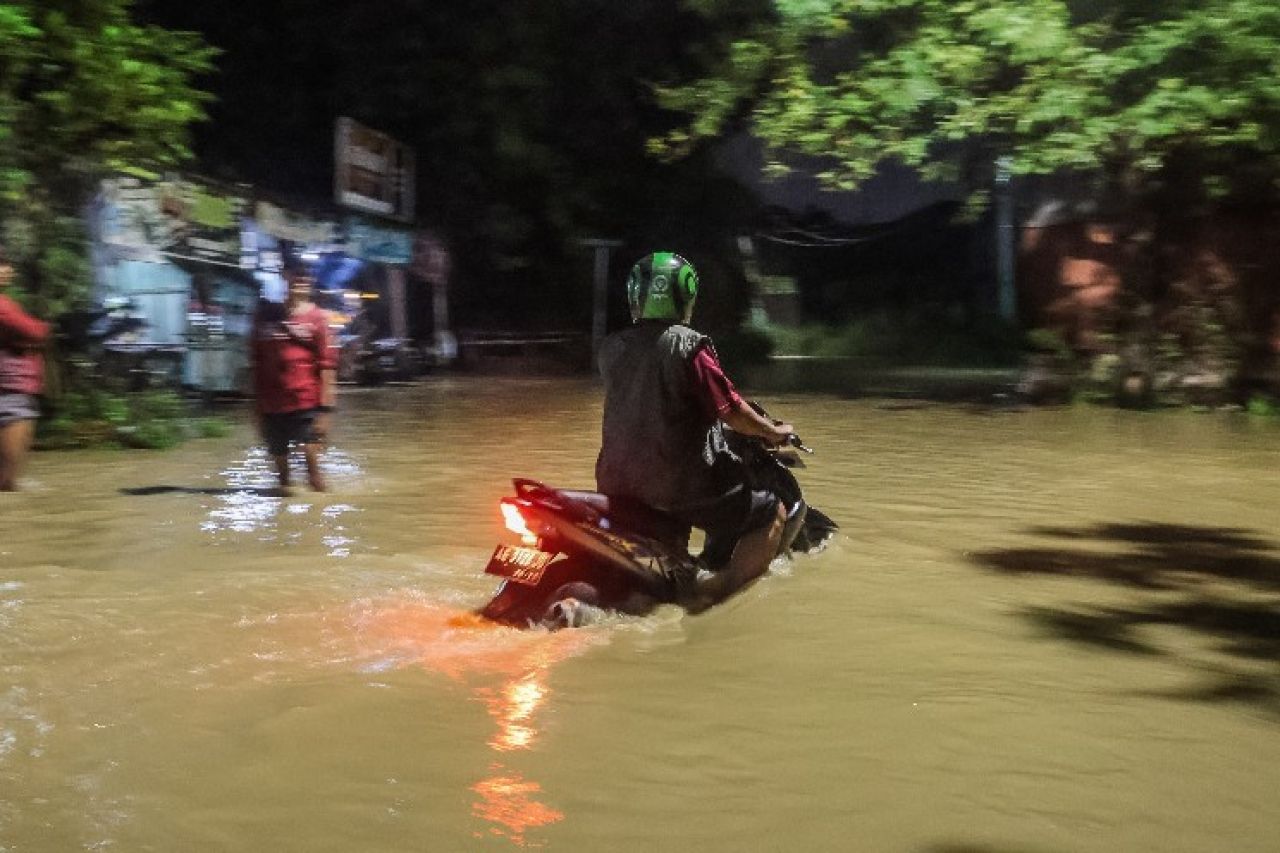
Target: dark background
x,y
529,121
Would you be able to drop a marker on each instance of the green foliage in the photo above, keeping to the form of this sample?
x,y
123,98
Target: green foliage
x,y
922,336
211,427
152,435
947,85
83,91
157,405
1263,407
157,420
85,418
152,420
1048,342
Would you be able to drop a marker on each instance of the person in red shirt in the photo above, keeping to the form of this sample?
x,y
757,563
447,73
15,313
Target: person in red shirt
x,y
21,379
294,363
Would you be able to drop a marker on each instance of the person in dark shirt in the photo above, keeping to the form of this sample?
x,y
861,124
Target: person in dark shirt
x,y
665,394
294,363
21,380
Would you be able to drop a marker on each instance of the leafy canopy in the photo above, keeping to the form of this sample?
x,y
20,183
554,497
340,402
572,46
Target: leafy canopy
x,y
1122,89
84,91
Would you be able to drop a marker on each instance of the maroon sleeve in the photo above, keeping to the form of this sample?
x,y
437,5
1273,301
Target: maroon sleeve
x,y
713,388
18,327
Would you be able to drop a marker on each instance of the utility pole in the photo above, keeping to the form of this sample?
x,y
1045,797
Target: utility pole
x,y
1006,238
600,290
756,314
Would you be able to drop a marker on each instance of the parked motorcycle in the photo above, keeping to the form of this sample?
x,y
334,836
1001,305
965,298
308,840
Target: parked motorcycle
x,y
99,349
387,360
81,331
582,552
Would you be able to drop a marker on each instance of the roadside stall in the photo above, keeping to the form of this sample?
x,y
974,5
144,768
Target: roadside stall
x,y
382,346
169,250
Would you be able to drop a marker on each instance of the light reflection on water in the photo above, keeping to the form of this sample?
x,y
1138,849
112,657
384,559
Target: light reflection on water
x,y
469,650
506,801
512,708
252,503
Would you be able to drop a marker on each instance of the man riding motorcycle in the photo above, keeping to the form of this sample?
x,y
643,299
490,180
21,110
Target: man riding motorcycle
x,y
666,401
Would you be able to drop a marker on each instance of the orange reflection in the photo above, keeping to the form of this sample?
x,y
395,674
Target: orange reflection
x,y
513,709
506,797
505,801
462,646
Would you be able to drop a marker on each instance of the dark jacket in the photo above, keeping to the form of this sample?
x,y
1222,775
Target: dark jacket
x,y
655,431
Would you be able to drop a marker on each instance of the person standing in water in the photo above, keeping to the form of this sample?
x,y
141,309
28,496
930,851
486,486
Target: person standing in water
x,y
21,379
294,376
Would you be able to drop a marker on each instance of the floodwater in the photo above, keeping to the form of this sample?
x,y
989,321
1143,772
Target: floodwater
x,y
1050,630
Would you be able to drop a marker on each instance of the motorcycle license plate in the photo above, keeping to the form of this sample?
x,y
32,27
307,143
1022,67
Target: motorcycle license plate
x,y
522,565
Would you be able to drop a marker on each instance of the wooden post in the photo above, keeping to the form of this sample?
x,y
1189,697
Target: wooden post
x,y
397,308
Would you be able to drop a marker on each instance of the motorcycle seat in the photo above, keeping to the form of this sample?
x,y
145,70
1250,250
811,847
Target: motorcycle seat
x,y
635,516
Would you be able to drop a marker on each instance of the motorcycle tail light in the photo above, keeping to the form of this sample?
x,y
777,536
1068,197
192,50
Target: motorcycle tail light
x,y
515,522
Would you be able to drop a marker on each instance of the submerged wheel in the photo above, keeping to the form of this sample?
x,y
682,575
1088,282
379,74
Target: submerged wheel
x,y
571,606
520,606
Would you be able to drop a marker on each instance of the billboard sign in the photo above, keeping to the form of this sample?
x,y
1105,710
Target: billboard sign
x,y
296,228
380,244
372,172
171,217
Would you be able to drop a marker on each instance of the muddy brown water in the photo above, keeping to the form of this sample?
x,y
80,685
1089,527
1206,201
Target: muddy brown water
x,y
1052,630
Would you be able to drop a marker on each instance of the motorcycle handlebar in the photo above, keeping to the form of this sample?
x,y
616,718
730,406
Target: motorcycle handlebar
x,y
794,441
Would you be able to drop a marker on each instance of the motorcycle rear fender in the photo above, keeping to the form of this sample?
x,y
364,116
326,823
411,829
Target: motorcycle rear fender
x,y
633,556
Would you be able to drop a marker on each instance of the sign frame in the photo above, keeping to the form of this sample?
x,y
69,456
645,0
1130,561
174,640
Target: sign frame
x,y
372,171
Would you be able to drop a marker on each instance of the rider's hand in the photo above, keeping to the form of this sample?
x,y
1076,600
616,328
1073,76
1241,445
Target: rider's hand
x,y
781,434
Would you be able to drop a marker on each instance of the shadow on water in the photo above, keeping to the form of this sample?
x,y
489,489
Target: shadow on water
x,y
1217,586
145,491
979,848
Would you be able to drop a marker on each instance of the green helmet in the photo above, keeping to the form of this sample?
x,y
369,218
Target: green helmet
x,y
662,286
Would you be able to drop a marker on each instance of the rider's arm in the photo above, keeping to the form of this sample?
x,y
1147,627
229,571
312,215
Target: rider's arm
x,y
744,419
722,400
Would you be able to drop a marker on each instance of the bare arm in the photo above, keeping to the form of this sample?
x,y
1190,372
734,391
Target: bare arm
x,y
741,418
328,388
327,364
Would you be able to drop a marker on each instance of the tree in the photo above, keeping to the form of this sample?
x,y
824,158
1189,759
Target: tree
x,y
1124,89
84,92
1167,108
